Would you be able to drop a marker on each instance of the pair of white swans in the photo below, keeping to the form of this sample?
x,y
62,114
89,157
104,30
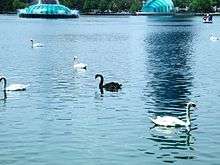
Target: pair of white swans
x,y
170,121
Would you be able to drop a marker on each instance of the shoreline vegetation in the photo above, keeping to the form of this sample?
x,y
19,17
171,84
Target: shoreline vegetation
x,y
119,7
133,14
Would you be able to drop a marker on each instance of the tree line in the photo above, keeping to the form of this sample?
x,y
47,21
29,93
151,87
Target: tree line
x,y
198,5
82,5
111,5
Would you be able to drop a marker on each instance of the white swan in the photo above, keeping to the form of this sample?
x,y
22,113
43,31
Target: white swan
x,y
35,45
170,121
213,38
78,65
13,87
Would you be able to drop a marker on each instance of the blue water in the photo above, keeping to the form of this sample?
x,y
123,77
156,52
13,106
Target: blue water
x,y
162,62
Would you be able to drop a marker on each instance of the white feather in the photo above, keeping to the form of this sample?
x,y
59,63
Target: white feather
x,y
168,121
16,87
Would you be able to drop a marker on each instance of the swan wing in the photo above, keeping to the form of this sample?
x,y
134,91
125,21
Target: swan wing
x,y
16,87
212,38
112,86
167,121
80,66
38,45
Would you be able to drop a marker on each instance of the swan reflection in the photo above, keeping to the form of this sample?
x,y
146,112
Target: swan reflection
x,y
4,96
172,143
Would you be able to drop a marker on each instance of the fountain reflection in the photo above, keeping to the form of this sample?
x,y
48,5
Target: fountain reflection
x,y
169,78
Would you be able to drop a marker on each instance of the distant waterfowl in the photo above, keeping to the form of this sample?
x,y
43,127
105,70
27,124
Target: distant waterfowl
x,y
170,121
207,18
13,87
214,38
77,64
112,86
35,45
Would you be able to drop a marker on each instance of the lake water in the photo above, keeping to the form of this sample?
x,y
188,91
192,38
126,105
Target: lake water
x,y
162,62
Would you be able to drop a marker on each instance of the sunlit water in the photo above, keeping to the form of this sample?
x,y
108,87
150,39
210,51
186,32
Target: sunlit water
x,y
62,119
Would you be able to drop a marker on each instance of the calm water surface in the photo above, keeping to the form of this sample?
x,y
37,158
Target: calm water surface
x,y
162,62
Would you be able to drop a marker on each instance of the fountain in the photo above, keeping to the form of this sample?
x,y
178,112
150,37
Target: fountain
x,y
48,9
158,6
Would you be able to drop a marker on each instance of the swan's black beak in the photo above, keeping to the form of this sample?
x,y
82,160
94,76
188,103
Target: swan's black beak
x,y
194,106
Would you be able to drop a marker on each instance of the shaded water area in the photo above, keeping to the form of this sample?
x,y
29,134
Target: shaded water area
x,y
162,62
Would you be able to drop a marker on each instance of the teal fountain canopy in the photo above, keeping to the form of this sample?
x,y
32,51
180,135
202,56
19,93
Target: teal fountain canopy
x,y
158,6
48,9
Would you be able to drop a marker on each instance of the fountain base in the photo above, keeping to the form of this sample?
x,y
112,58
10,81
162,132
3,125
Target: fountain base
x,y
48,11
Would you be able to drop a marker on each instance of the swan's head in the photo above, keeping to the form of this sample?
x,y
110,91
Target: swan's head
x,y
4,82
75,58
190,104
2,78
98,75
32,40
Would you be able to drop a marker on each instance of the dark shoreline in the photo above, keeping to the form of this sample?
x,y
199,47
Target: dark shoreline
x,y
148,14
8,12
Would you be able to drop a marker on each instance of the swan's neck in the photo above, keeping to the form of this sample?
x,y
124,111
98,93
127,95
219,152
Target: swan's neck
x,y
4,82
76,61
188,116
101,82
5,95
101,91
32,44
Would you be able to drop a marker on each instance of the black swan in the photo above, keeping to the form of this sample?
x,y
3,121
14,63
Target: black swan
x,y
112,86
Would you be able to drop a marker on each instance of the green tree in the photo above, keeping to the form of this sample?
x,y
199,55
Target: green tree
x,y
201,5
87,5
135,6
73,4
125,5
6,5
182,3
216,3
18,4
113,6
103,5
